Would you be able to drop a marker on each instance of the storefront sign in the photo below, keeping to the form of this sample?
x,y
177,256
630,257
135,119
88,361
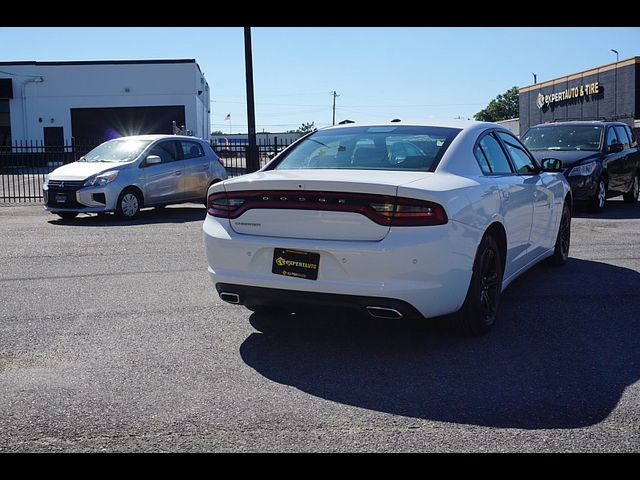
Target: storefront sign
x,y
568,94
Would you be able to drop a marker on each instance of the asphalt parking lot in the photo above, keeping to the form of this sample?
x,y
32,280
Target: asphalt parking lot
x,y
112,339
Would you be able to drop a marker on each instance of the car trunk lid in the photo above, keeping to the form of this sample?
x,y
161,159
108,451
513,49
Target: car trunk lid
x,y
315,204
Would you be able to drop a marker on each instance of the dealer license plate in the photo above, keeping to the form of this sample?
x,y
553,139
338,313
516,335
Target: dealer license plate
x,y
295,263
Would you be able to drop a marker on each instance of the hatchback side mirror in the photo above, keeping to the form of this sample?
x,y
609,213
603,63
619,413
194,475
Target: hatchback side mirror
x,y
551,165
616,147
152,160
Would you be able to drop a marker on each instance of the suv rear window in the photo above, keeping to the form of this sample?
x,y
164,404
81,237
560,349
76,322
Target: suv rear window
x,y
392,147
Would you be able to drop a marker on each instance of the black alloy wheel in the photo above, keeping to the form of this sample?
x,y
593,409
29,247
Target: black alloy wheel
x,y
480,308
563,240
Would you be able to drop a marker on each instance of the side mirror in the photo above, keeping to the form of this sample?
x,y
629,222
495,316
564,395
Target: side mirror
x,y
152,160
551,165
616,147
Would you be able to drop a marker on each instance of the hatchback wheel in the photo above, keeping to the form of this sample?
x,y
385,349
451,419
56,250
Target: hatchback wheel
x,y
129,204
632,195
600,198
478,313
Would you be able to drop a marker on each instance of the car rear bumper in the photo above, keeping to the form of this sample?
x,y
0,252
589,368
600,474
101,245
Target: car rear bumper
x,y
376,306
427,268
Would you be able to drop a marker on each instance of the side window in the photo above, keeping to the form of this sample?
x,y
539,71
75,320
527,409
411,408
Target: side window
x,y
166,151
622,135
521,159
482,160
632,137
496,158
611,137
191,149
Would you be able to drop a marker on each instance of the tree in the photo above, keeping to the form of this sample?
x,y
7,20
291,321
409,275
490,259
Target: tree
x,y
503,107
306,128
217,132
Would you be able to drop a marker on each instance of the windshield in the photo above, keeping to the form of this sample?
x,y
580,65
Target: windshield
x,y
371,148
119,150
563,137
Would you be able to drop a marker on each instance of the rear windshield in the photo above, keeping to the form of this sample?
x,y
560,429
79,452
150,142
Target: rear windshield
x,y
370,148
563,137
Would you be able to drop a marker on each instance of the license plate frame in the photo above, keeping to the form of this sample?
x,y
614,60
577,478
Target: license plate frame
x,y
61,198
295,263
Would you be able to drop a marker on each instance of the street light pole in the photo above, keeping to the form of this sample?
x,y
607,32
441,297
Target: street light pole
x,y
535,77
252,160
617,55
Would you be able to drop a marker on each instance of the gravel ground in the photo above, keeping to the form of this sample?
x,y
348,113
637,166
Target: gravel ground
x,y
112,339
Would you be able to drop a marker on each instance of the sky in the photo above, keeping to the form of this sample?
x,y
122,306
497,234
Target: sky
x,y
379,73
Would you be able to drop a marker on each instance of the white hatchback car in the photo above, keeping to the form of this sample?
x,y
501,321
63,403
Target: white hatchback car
x,y
128,173
397,220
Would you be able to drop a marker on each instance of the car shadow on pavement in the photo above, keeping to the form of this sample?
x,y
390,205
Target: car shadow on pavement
x,y
146,216
565,347
614,209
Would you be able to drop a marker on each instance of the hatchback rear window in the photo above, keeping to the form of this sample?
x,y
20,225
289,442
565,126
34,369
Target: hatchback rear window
x,y
393,147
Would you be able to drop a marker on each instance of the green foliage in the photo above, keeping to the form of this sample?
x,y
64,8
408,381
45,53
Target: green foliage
x,y
503,107
306,128
217,132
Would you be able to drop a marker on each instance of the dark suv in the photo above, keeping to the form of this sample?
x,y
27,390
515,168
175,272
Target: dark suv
x,y
599,159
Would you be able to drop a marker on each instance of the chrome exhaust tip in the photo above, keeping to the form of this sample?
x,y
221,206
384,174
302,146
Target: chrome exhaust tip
x,y
230,297
384,312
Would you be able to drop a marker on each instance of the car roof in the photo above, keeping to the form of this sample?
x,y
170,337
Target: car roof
x,y
157,137
447,123
595,123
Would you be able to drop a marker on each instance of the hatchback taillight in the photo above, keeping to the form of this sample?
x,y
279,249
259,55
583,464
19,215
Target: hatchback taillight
x,y
381,209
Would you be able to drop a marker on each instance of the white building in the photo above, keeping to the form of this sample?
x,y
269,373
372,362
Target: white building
x,y
53,102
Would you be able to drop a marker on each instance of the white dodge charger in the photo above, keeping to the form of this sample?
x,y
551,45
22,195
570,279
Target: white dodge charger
x,y
397,220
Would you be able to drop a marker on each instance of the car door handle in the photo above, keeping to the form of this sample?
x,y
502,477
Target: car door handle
x,y
179,172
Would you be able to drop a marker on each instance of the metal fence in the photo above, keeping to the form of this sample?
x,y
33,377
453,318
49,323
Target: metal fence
x,y
24,165
233,153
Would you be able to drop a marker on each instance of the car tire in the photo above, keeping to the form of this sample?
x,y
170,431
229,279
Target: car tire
x,y
67,215
599,200
129,203
478,313
632,195
563,239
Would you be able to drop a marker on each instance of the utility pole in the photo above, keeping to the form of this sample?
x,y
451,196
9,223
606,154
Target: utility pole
x,y
334,105
252,160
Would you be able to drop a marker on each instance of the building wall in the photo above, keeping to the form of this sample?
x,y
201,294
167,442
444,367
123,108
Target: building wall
x,y
45,92
513,124
618,96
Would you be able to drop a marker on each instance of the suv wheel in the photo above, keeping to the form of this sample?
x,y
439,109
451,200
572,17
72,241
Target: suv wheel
x,y
600,198
632,195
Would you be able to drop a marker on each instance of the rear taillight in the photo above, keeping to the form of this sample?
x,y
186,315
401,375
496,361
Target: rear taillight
x,y
220,205
381,209
221,161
